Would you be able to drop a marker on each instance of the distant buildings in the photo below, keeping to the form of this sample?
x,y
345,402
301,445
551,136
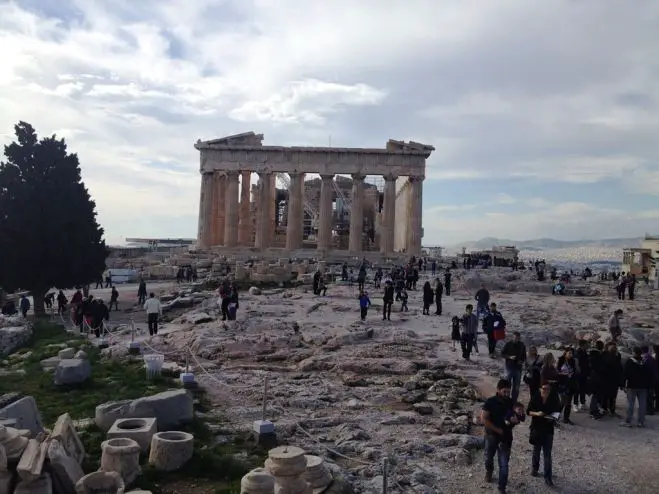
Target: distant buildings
x,y
641,261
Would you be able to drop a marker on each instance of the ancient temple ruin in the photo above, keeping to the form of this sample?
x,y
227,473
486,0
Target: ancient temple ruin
x,y
365,200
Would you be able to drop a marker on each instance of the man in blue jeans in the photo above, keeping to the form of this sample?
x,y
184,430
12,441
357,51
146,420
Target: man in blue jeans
x,y
515,354
499,416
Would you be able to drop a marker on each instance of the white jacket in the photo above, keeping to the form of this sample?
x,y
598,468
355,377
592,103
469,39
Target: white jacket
x,y
153,306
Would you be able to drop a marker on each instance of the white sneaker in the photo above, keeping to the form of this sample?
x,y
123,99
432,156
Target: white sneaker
x,y
575,408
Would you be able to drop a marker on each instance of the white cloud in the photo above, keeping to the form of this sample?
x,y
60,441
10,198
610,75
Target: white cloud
x,y
552,91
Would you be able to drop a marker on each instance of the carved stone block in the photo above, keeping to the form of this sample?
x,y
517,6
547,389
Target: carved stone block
x,y
141,430
31,463
65,432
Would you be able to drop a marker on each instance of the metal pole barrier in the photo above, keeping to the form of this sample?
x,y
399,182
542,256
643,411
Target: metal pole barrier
x,y
132,330
187,362
385,474
265,399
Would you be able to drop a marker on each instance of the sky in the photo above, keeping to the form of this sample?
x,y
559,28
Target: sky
x,y
543,114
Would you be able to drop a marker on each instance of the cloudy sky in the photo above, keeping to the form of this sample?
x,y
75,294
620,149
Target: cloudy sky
x,y
543,113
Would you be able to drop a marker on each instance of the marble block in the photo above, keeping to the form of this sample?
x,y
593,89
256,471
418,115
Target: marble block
x,y
121,455
171,450
141,430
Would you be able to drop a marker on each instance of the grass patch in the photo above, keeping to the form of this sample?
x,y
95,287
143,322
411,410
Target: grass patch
x,y
111,380
220,457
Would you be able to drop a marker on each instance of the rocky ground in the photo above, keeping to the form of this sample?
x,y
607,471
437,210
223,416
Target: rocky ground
x,y
357,392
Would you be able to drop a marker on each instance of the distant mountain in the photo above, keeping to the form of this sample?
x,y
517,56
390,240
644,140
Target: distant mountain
x,y
541,244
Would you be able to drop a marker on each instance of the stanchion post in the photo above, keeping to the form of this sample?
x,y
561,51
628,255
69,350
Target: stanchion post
x,y
133,346
265,400
187,378
264,430
385,474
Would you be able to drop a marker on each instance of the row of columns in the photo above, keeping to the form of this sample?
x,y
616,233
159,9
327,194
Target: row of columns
x,y
224,220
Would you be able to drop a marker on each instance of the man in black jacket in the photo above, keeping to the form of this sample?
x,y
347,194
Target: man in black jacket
x,y
612,377
388,300
584,371
493,320
515,354
637,380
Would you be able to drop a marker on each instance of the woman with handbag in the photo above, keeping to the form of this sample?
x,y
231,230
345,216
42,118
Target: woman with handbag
x,y
543,409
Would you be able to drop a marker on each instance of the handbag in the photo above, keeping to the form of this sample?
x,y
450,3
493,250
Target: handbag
x,y
499,334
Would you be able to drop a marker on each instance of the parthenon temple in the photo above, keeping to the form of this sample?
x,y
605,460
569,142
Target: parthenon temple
x,y
365,200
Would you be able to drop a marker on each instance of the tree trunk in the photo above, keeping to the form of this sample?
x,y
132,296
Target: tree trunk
x,y
37,303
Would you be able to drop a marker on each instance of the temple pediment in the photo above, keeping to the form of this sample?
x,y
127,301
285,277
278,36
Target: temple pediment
x,y
244,139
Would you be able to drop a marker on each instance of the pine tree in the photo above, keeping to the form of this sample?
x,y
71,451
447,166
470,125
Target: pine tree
x,y
49,236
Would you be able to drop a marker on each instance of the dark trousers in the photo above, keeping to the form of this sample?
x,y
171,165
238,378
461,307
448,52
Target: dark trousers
x,y
24,312
593,408
621,294
438,306
426,308
141,298
567,404
580,395
386,309
152,320
361,285
545,443
631,293
466,343
495,445
491,344
447,288
364,312
115,303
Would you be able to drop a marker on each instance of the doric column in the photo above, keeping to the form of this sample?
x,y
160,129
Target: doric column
x,y
414,221
356,213
205,211
325,221
245,228
219,190
389,220
231,210
295,219
263,225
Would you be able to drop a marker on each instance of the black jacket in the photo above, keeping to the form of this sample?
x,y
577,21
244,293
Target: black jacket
x,y
388,293
612,375
490,319
636,374
428,295
584,364
514,349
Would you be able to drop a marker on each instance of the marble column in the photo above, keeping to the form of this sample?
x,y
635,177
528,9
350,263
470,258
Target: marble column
x,y
389,219
295,219
263,226
205,211
356,213
231,210
219,190
245,228
414,221
325,221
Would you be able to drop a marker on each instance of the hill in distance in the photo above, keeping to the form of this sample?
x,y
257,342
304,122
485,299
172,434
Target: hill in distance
x,y
542,244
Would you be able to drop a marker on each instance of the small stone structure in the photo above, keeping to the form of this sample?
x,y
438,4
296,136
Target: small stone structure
x,y
288,465
141,430
121,455
171,450
257,481
25,412
65,432
14,443
31,463
317,474
101,483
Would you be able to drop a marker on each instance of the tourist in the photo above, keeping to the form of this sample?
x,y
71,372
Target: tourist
x,y
49,299
596,380
612,378
114,299
515,354
447,282
141,292
455,331
499,418
482,300
377,278
469,324
637,380
100,313
631,286
428,298
404,297
322,287
614,325
388,300
364,304
439,291
108,279
548,373
433,268
61,302
153,309
542,409
582,379
99,283
87,309
24,305
532,369
225,292
316,281
568,372
361,276
620,288
232,306
653,372
494,327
